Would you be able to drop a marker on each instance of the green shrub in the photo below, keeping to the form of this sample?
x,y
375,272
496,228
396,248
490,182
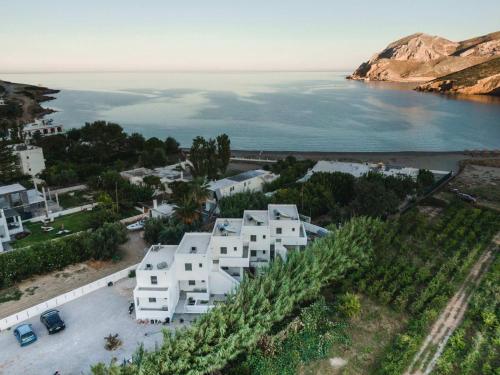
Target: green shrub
x,y
54,255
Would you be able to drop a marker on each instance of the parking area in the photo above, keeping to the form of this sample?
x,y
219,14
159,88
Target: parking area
x,y
88,320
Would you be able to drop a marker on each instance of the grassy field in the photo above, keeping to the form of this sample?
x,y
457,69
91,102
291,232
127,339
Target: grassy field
x,y
74,222
74,199
369,335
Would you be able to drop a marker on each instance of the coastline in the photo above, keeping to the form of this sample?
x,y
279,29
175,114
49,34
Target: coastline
x,y
439,160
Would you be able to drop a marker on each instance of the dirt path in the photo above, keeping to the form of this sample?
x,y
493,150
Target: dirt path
x,y
425,360
43,287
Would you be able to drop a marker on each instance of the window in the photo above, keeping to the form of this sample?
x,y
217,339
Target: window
x,y
154,280
191,282
253,238
188,267
279,230
264,236
223,250
264,252
200,265
253,253
152,300
293,229
235,248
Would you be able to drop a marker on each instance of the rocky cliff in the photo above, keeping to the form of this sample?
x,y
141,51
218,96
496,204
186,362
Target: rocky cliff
x,y
421,58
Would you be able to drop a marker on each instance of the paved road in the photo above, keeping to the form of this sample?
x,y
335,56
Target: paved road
x,y
88,320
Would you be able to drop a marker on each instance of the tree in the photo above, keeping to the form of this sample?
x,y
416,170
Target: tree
x,y
223,151
153,181
9,169
171,146
373,199
198,190
187,211
425,179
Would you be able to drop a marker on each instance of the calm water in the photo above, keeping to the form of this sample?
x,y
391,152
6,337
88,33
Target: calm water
x,y
273,111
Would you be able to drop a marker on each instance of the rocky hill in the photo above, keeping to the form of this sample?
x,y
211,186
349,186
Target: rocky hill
x,y
422,58
481,79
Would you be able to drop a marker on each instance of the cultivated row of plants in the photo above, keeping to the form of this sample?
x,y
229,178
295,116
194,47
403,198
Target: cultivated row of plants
x,y
54,255
260,303
474,348
418,268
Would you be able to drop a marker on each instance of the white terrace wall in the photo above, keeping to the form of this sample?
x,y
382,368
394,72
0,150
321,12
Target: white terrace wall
x,y
21,316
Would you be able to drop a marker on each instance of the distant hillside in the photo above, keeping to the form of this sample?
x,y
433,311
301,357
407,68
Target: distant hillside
x,y
422,58
22,102
480,79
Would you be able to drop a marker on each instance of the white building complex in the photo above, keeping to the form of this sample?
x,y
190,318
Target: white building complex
x,y
31,160
360,169
246,181
199,272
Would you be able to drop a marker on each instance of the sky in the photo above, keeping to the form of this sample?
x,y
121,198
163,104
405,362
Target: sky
x,y
222,35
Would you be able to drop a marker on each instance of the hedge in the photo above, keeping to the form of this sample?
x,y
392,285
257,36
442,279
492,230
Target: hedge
x,y
54,255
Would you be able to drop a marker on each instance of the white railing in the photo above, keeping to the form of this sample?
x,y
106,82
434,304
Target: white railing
x,y
69,211
21,316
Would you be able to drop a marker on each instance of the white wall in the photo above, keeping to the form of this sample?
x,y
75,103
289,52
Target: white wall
x,y
31,160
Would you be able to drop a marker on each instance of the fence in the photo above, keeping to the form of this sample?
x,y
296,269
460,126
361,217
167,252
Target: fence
x,y
57,214
21,316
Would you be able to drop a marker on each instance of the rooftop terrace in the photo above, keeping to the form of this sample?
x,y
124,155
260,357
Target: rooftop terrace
x,y
227,227
194,243
159,257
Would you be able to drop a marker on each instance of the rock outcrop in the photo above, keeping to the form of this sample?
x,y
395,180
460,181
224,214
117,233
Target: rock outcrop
x,y
480,79
421,58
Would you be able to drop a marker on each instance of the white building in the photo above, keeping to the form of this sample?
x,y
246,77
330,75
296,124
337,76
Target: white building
x,y
167,174
31,160
194,275
162,210
246,181
360,169
10,225
43,127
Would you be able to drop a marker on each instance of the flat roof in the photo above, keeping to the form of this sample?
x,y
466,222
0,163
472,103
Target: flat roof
x,y
158,257
165,208
13,188
247,175
283,212
227,227
194,243
256,217
233,180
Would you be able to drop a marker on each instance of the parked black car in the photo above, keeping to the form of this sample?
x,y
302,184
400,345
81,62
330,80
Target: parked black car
x,y
52,321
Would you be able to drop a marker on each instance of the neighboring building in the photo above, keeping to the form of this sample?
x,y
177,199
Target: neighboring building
x,y
162,210
44,127
167,174
246,181
193,276
10,225
360,169
31,160
27,203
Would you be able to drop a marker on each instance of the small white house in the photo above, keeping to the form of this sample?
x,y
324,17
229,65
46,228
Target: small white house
x,y
31,160
42,127
194,275
246,181
162,210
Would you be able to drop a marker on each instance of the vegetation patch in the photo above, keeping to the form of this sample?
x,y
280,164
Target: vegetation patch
x,y
10,294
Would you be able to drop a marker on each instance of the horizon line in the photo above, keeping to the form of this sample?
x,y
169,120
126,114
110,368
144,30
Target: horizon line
x,y
180,71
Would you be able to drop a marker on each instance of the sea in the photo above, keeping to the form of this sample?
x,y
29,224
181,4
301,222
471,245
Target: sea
x,y
293,111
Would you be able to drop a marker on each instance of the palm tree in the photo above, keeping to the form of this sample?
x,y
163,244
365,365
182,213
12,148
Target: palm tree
x,y
187,210
198,190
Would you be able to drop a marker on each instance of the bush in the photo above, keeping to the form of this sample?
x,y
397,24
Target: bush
x,y
56,254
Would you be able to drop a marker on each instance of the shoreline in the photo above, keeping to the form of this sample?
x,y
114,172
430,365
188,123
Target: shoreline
x,y
438,160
